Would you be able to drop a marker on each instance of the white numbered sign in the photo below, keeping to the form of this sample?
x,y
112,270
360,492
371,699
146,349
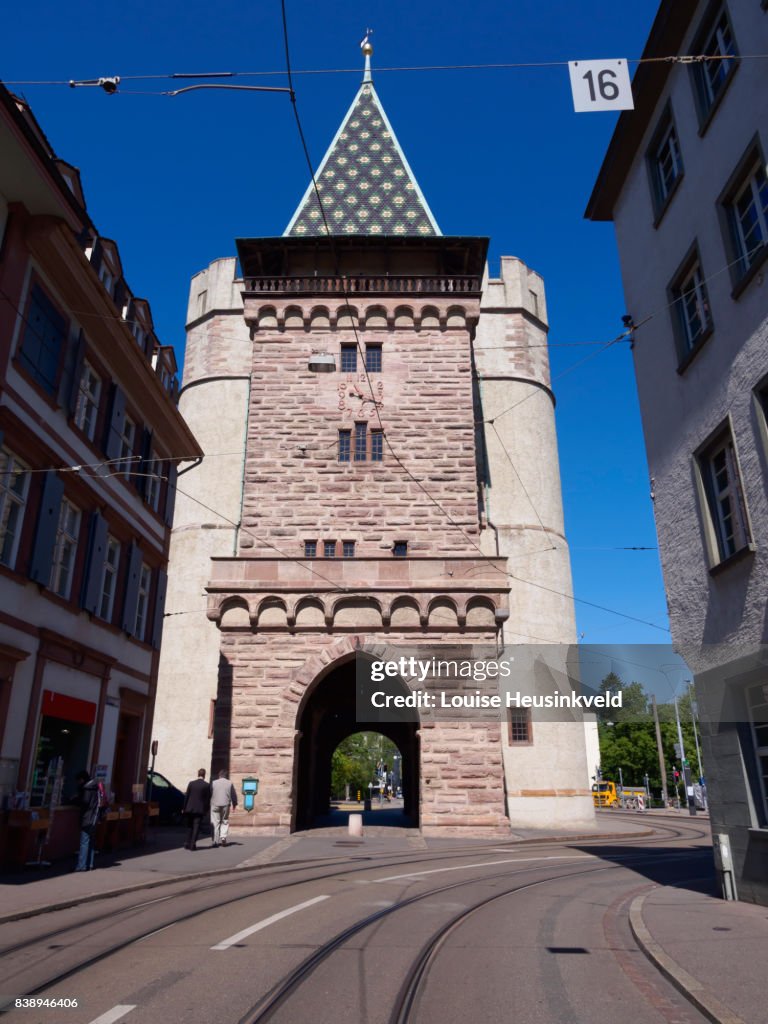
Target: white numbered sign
x,y
600,85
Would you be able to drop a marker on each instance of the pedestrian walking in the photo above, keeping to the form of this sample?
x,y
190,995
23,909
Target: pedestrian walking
x,y
197,802
87,799
223,797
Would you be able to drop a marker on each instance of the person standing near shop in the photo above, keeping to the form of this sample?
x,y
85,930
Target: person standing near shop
x,y
197,802
87,799
223,797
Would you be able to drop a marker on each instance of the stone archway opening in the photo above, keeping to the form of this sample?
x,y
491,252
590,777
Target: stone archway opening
x,y
327,717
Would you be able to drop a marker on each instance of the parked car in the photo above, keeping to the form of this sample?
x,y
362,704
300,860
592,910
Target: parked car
x,y
165,794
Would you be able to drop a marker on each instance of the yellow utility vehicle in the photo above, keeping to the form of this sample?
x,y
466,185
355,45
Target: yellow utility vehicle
x,y
605,794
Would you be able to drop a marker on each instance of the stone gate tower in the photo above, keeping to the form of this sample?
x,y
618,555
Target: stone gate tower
x,y
412,496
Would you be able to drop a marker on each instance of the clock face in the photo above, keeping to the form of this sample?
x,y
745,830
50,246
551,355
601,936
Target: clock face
x,y
355,398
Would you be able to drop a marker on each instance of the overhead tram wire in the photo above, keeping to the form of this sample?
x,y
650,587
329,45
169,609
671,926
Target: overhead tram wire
x,y
421,68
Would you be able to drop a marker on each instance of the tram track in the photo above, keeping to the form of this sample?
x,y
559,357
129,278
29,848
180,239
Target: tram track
x,y
345,868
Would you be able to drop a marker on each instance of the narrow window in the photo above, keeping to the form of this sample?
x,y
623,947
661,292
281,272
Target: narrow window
x,y
44,337
748,214
310,549
725,498
711,76
329,548
348,549
153,482
377,446
757,702
139,334
691,314
665,162
361,442
14,485
88,398
373,358
400,549
127,448
142,604
345,443
65,550
519,727
349,358
109,579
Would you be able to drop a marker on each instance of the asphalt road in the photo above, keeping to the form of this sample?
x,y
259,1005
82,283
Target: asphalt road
x,y
534,935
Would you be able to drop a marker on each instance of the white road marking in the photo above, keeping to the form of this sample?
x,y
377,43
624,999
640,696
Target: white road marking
x,y
233,939
481,864
114,1014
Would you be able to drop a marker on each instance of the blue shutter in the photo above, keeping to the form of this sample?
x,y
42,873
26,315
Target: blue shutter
x,y
157,623
131,601
170,494
41,562
115,423
94,573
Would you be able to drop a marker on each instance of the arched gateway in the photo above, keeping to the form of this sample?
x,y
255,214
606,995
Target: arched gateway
x,y
326,716
410,497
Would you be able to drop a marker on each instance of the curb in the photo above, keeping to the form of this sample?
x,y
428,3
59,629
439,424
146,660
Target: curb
x,y
693,990
50,908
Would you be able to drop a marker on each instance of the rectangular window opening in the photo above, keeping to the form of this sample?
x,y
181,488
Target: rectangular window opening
x,y
349,358
725,497
14,487
310,549
345,445
520,727
361,442
373,358
65,550
329,549
400,549
377,446
348,549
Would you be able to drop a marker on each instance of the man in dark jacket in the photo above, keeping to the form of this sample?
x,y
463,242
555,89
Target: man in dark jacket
x,y
197,802
87,799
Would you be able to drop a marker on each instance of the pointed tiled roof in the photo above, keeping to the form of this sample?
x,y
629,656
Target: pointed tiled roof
x,y
364,180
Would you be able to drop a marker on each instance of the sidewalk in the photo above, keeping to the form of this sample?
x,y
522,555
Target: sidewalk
x,y
710,949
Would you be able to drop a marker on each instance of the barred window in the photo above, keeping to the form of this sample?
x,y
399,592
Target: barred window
x,y
377,446
329,549
345,443
310,549
349,358
348,549
361,441
519,727
373,358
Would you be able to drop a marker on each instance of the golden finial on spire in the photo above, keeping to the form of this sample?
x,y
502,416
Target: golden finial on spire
x,y
367,47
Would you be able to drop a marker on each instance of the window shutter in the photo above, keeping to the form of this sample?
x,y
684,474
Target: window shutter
x,y
41,561
97,550
73,370
170,494
157,624
115,423
131,601
144,465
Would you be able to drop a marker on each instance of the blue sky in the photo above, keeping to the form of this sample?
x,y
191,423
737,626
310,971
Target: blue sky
x,y
497,152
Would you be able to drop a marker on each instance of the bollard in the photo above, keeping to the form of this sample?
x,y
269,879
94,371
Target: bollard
x,y
355,824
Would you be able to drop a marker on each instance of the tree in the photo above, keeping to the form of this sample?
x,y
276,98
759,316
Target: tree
x,y
355,759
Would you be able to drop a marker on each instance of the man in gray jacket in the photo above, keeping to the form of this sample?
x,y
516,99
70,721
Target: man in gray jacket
x,y
223,797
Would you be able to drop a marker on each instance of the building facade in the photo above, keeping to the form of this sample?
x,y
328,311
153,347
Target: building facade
x,y
684,182
89,437
378,507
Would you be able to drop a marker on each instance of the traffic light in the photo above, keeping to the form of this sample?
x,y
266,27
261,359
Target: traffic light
x,y
676,774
